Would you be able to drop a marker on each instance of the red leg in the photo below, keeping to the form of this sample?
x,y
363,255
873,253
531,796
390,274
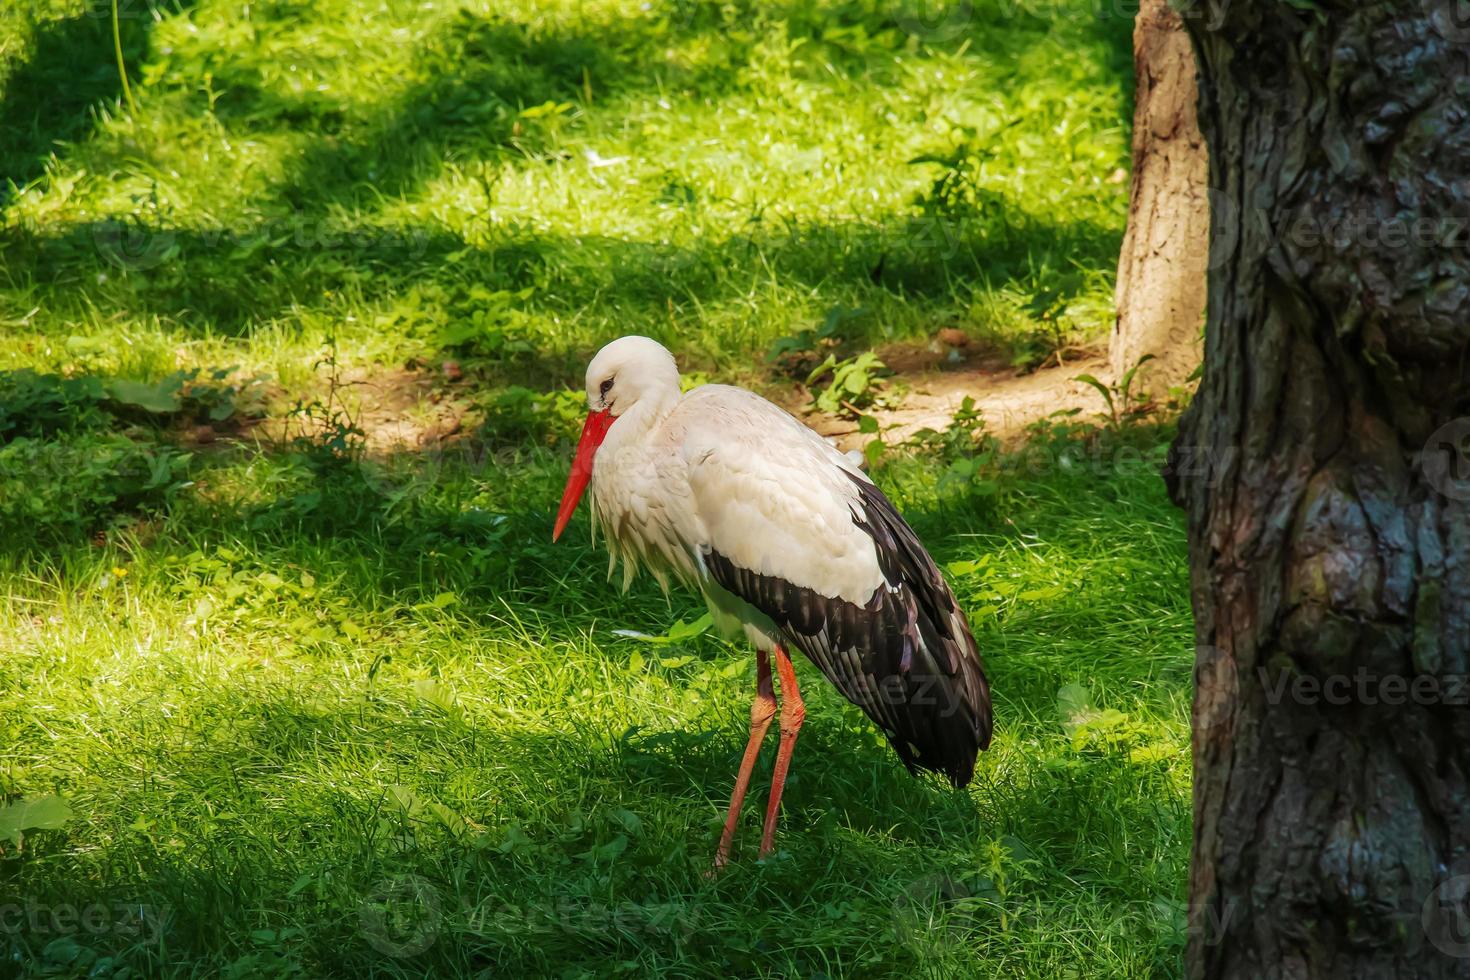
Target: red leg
x,y
762,710
793,712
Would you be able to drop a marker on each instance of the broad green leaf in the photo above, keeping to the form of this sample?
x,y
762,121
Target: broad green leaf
x,y
821,369
678,632
1157,752
1127,378
967,567
552,108
515,840
436,693
610,850
49,812
449,818
404,800
873,452
151,398
684,631
628,820
1073,702
1102,389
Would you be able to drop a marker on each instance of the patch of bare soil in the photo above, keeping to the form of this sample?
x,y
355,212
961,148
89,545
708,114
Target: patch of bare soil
x,y
397,409
408,409
938,385
402,408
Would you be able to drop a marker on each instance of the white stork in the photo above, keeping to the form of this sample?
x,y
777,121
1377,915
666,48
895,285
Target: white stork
x,y
787,540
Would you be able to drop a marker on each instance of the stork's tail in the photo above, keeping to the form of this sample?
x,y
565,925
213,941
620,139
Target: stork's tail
x,y
946,716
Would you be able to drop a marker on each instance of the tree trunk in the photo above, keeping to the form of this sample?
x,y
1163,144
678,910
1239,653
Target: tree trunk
x,y
1325,471
1161,269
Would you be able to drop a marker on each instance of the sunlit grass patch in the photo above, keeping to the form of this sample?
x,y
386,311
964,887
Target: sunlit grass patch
x,y
713,176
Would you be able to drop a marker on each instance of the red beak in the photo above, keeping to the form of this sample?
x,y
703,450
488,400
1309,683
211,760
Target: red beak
x,y
594,430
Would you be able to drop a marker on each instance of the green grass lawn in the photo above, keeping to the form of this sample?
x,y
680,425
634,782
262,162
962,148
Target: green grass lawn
x,y
319,713
711,174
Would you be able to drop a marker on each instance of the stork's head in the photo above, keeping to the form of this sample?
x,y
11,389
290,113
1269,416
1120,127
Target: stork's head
x,y
625,373
628,370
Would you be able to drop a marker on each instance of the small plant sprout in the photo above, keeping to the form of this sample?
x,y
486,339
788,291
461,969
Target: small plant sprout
x,y
1117,396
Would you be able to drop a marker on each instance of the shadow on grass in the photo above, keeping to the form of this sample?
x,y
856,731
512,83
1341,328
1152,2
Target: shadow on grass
x,y
231,281
70,74
252,787
265,810
255,836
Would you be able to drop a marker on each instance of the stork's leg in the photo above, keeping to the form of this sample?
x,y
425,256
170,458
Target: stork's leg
x,y
793,712
762,710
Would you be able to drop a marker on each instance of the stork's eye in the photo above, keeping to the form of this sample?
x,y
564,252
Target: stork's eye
x,y
606,387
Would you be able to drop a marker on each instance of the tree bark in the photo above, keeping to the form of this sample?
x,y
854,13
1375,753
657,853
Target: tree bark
x,y
1160,294
1324,468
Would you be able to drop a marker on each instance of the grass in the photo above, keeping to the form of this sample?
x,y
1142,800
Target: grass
x,y
314,720
714,174
272,705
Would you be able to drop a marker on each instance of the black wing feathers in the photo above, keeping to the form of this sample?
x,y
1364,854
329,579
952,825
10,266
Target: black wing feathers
x,y
906,656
